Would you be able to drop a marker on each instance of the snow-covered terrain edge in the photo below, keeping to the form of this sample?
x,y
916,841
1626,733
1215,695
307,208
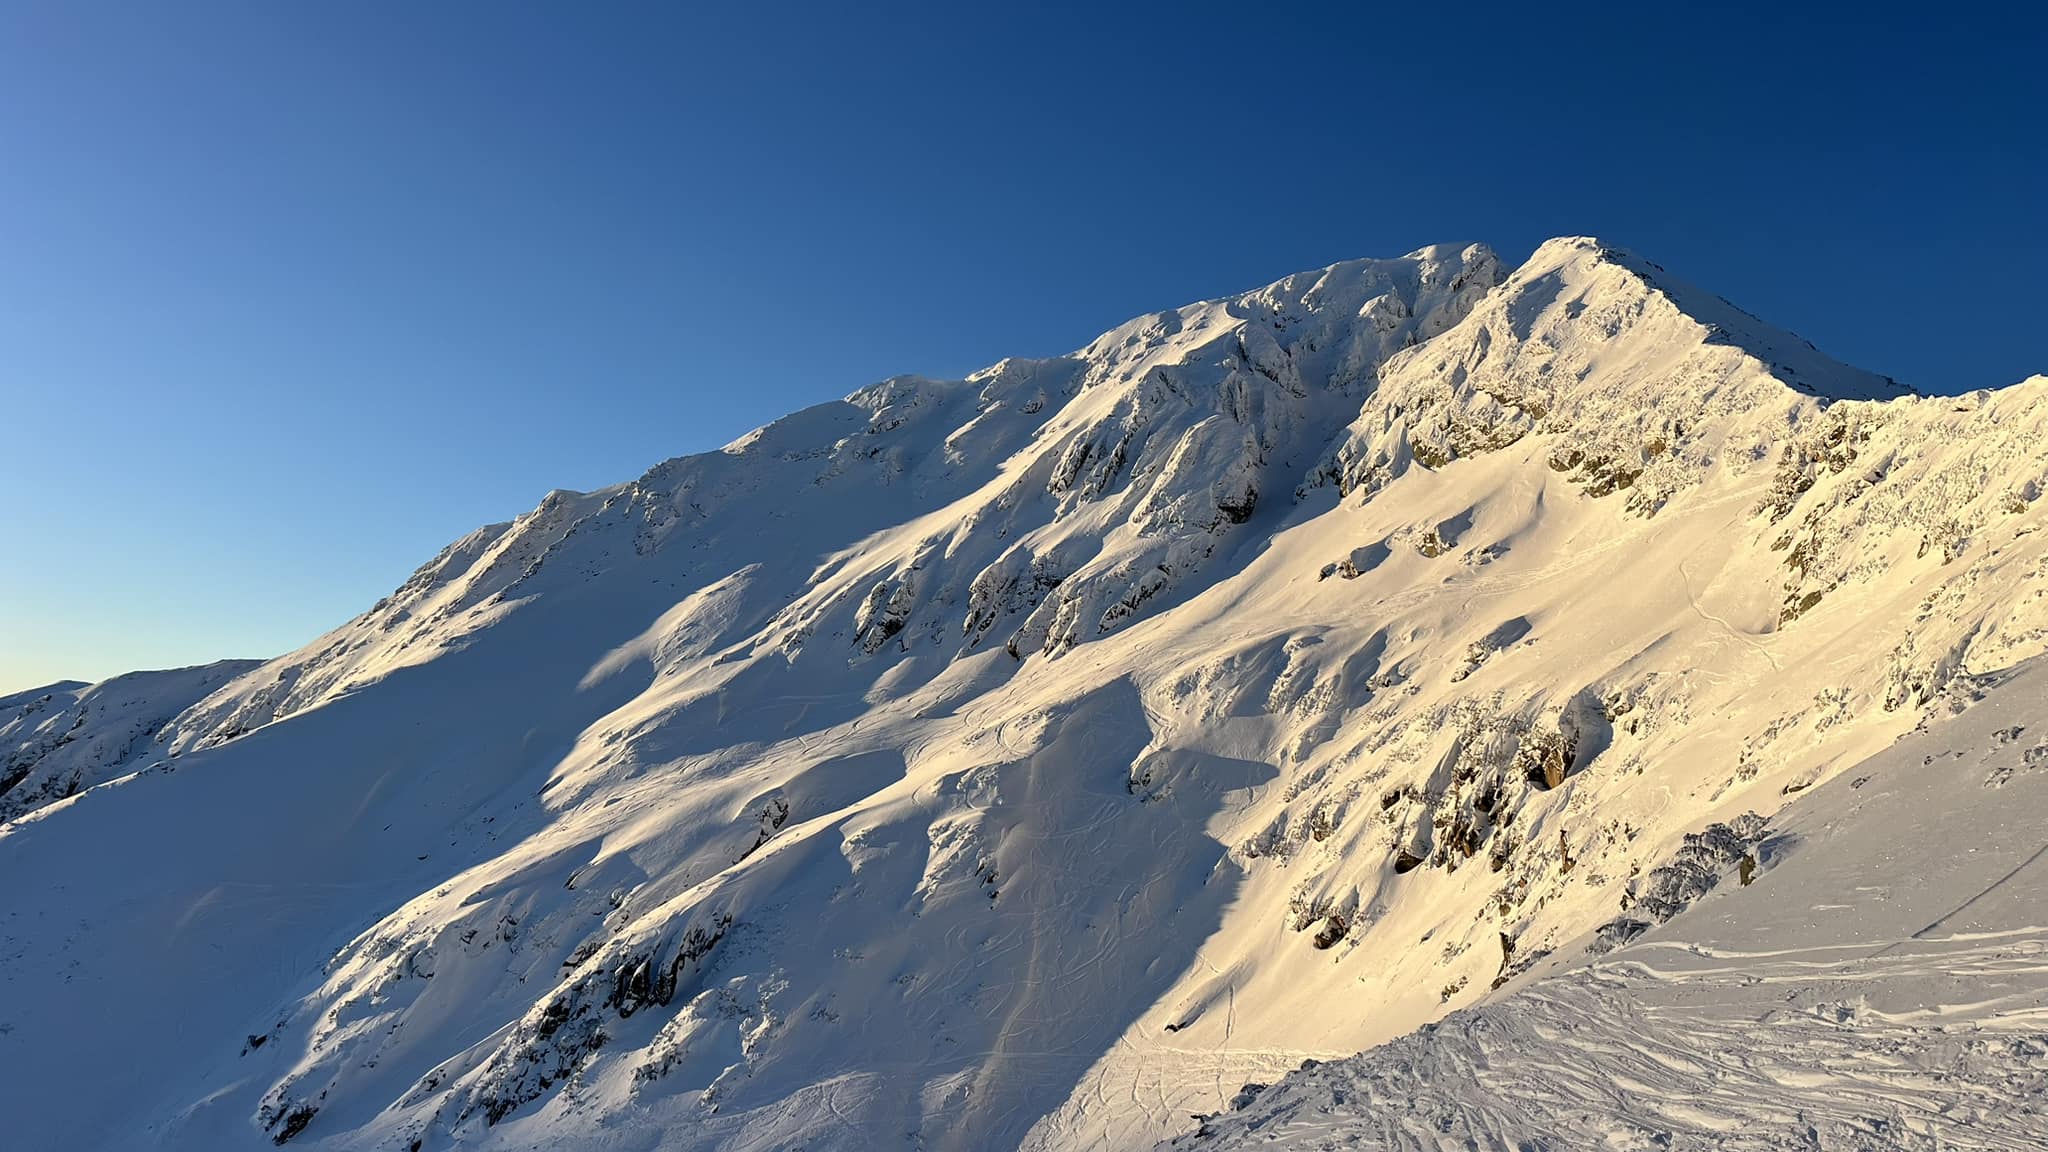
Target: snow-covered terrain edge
x,y
61,739
1031,760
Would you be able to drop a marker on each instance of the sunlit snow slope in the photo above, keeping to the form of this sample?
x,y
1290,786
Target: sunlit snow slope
x,y
1031,760
1879,984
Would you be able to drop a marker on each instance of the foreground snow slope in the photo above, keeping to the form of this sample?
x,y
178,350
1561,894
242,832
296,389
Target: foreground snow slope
x,y
1881,983
1030,760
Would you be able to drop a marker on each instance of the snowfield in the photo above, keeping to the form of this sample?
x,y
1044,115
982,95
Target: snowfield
x,y
1032,761
1880,983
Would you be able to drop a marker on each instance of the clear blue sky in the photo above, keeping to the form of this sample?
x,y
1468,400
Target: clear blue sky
x,y
292,294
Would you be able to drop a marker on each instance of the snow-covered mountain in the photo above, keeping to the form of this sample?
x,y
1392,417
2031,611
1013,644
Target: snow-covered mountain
x,y
60,739
1035,759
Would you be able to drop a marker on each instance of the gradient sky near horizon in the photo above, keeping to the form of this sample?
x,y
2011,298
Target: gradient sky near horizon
x,y
293,294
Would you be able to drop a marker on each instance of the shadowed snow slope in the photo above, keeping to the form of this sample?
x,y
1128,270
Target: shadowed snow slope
x,y
1029,760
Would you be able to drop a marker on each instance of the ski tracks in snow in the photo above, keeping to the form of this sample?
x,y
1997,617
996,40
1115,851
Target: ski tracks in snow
x,y
1829,1049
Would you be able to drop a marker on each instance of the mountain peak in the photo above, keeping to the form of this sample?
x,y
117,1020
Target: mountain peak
x,y
1792,358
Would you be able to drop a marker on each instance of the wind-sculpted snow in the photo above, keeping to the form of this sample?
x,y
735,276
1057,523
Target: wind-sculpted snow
x,y
1872,977
1639,382
1030,760
1047,499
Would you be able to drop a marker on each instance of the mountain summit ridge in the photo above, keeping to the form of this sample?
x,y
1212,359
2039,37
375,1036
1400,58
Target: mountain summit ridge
x,y
1030,759
1729,321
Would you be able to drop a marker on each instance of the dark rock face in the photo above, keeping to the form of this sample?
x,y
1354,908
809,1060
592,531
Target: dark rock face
x,y
1547,758
1333,930
294,1123
1693,871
